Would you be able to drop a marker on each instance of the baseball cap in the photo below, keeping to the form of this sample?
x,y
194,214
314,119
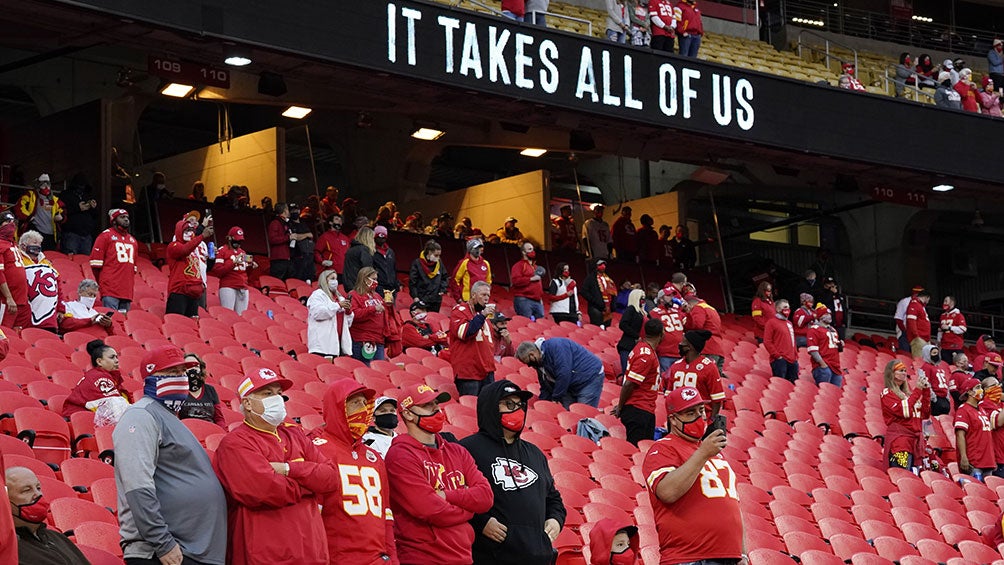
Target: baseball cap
x,y
418,304
994,359
499,317
380,230
236,234
6,217
948,64
510,388
596,206
116,212
164,357
943,76
257,379
421,394
43,178
968,385
511,219
474,244
380,401
683,398
821,309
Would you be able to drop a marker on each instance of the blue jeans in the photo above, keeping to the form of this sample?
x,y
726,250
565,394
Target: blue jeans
x,y
784,369
802,341
826,375
587,392
76,243
537,19
616,36
468,387
624,357
357,353
665,363
528,308
512,16
689,45
120,304
904,344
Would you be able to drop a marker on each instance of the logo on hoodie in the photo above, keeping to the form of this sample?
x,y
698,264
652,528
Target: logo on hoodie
x,y
512,475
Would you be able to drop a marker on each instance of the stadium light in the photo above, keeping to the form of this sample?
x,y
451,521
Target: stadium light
x,y
177,90
297,112
427,134
531,152
236,56
294,179
942,188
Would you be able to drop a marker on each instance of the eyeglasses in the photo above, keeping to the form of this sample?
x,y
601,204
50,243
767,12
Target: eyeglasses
x,y
512,405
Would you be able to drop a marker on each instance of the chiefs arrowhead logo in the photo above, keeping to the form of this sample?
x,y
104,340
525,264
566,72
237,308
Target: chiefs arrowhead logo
x,y
150,367
688,393
267,374
512,475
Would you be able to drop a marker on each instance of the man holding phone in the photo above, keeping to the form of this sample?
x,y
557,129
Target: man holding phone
x,y
472,353
693,489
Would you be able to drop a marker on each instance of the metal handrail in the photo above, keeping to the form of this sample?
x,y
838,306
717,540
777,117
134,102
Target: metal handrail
x,y
827,41
914,89
457,3
589,24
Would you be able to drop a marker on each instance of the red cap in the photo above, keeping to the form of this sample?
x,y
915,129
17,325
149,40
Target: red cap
x,y
164,357
683,398
917,289
820,310
994,359
968,385
112,214
257,379
236,234
421,394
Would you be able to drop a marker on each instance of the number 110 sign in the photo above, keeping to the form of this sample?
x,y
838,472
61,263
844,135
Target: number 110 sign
x,y
899,196
187,72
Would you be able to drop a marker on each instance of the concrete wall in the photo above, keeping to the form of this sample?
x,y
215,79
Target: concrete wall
x,y
524,197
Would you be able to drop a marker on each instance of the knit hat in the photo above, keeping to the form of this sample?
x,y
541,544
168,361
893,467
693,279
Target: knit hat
x,y
116,212
697,338
380,231
821,309
805,297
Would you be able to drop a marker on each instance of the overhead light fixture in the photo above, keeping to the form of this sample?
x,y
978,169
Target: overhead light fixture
x,y
236,56
427,134
297,112
942,188
177,90
531,152
294,179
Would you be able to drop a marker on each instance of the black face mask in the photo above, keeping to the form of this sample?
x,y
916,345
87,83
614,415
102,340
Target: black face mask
x,y
196,380
479,307
683,350
380,240
386,421
936,359
235,244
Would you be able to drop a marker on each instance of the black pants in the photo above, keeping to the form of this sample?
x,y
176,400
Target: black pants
x,y
558,318
940,405
181,304
595,316
281,268
663,43
638,423
468,387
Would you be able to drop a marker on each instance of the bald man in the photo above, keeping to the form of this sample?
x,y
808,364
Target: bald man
x,y
36,544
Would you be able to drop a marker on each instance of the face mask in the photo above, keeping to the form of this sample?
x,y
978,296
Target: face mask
x,y
33,249
359,422
169,390
235,244
695,428
372,285
683,350
7,231
45,191
273,410
514,421
993,393
35,511
826,318
978,394
479,307
87,301
420,316
565,273
432,423
626,557
336,227
531,255
768,294
786,312
187,236
945,307
601,268
386,421
195,380
936,358
333,283
380,240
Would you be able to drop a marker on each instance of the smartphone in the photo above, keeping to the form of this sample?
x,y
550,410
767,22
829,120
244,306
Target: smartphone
x,y
110,314
717,423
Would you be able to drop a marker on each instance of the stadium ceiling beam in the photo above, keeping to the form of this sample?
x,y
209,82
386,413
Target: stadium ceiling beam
x,y
799,219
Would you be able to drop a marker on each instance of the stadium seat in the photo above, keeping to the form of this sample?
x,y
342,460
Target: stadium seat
x,y
98,556
830,527
907,515
46,432
955,533
788,524
40,468
936,550
893,548
55,488
799,542
100,535
819,557
759,556
847,546
869,559
201,429
81,473
68,512
763,540
10,445
105,493
978,552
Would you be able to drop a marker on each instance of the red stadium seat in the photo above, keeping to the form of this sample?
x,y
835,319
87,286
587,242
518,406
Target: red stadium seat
x,y
763,540
893,548
81,473
596,511
202,429
955,533
46,432
799,543
978,552
907,515
40,468
915,560
98,556
55,488
573,481
68,512
758,556
10,445
869,559
788,524
846,546
105,493
781,508
936,550
100,535
830,527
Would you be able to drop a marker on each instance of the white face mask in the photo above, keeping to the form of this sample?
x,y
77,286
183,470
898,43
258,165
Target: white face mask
x,y
87,301
420,316
273,410
333,283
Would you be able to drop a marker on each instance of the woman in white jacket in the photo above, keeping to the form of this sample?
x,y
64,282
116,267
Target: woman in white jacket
x,y
564,296
328,318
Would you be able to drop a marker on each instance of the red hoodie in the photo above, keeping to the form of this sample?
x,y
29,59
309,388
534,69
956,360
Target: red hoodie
x,y
981,354
703,316
357,517
183,265
601,539
520,276
430,528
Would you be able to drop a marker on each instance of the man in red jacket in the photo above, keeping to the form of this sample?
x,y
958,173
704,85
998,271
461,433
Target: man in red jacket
x,y
273,476
184,283
690,29
802,318
526,287
357,517
232,266
918,325
436,488
824,347
703,316
952,329
329,253
779,341
472,353
13,282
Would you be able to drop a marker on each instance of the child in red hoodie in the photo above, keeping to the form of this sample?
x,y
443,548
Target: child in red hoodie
x,y
613,543
184,283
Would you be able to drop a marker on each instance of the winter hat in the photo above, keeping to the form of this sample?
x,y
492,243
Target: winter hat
x,y
943,76
697,338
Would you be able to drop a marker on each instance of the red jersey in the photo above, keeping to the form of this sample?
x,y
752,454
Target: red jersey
x,y
362,504
979,439
278,239
703,316
419,334
114,253
94,387
825,341
271,516
663,11
672,332
566,236
469,271
953,329
802,319
331,246
779,339
991,409
521,285
937,375
12,272
702,374
368,325
762,310
643,370
185,276
690,19
232,267
472,353
705,522
430,528
909,411
917,322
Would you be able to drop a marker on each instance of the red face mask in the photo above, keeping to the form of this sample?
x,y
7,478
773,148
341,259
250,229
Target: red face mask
x,y
372,285
34,512
786,312
531,255
514,421
695,428
626,557
601,268
565,273
433,423
944,307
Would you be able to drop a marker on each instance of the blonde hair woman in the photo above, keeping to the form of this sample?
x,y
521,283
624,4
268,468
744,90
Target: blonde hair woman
x,y
904,410
329,315
370,323
631,323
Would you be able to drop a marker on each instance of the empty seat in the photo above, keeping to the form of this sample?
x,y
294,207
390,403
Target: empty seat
x,y
68,512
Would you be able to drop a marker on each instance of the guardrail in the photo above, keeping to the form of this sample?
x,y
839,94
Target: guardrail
x,y
589,24
911,89
878,315
826,49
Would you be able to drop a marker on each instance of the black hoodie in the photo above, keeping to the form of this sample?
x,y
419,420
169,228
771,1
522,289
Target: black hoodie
x,y
525,495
